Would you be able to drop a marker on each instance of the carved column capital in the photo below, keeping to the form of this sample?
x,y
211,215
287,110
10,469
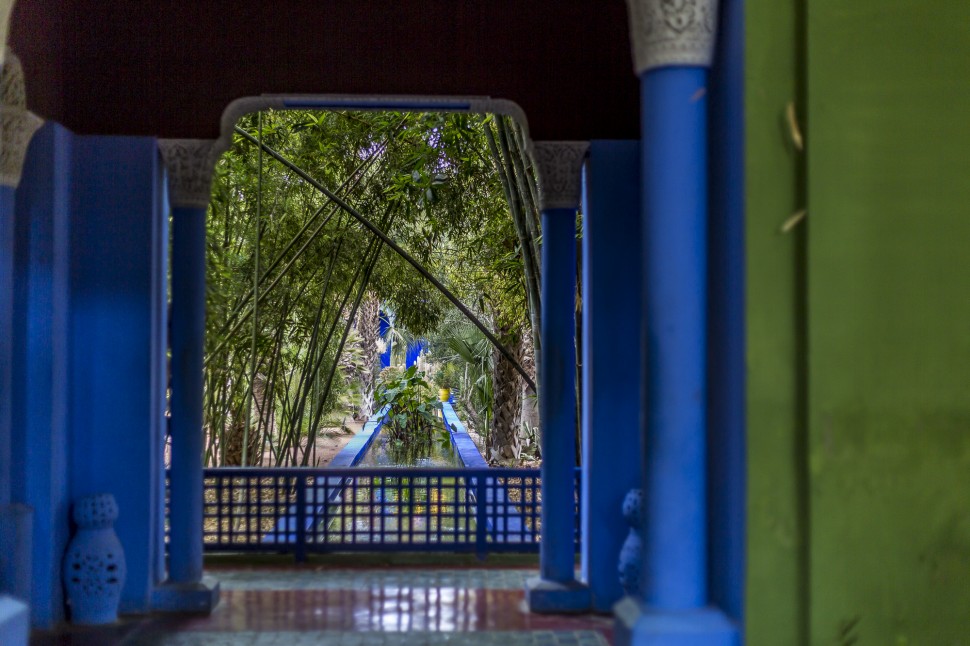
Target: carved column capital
x,y
190,164
17,124
559,165
672,32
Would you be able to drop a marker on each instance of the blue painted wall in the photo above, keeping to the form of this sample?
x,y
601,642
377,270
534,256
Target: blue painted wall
x,y
117,373
384,325
41,421
414,349
611,359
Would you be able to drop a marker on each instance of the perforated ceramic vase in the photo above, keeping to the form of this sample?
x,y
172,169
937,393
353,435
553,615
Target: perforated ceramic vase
x,y
94,564
631,554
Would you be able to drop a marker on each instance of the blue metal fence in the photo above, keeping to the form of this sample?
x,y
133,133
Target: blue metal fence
x,y
302,511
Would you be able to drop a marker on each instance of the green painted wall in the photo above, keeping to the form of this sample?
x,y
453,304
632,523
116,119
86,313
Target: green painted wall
x,y
889,319
776,596
859,324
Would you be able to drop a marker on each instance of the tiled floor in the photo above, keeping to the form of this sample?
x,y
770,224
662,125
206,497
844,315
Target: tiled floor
x,y
270,606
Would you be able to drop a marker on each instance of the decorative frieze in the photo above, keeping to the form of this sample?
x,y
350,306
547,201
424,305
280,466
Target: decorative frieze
x,y
190,164
17,124
559,165
672,32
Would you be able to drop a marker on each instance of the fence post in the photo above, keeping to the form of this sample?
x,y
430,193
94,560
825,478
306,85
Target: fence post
x,y
481,520
299,551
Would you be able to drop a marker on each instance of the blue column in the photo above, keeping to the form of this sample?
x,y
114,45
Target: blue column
x,y
187,336
42,426
673,65
559,166
189,164
675,301
17,129
6,335
14,531
558,402
611,359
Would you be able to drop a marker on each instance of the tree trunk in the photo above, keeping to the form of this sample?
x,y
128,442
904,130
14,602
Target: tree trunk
x,y
368,334
264,422
506,399
234,442
530,401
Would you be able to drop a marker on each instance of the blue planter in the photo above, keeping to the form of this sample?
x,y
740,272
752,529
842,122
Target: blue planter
x,y
94,564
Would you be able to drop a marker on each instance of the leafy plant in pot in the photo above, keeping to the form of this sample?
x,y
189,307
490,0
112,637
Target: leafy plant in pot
x,y
446,377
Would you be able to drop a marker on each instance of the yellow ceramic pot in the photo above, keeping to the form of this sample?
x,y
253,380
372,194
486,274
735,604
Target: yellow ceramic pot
x,y
444,394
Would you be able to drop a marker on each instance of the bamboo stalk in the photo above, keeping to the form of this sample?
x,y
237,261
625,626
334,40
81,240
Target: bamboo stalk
x,y
397,248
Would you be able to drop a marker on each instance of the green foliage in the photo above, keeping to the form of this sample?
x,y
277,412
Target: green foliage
x,y
411,409
428,180
447,375
464,357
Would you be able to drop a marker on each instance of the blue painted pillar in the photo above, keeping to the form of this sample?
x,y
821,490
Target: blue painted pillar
x,y
672,58
558,403
18,128
41,360
556,590
611,359
15,520
187,336
675,299
190,164
6,337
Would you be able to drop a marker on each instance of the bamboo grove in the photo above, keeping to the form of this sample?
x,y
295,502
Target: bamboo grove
x,y
296,282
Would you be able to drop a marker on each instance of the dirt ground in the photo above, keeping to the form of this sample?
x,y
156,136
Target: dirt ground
x,y
332,440
329,442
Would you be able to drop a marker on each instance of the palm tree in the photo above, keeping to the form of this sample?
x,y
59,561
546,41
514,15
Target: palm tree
x,y
368,332
506,397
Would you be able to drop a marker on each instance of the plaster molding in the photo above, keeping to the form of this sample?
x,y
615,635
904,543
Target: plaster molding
x,y
559,166
672,32
17,124
190,164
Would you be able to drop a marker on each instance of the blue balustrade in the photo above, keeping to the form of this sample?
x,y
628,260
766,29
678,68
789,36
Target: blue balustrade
x,y
301,511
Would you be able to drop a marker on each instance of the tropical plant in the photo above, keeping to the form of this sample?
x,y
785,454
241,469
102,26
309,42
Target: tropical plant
x,y
411,415
447,376
293,277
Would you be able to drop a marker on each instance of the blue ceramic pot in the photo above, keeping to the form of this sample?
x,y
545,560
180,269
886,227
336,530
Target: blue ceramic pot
x,y
94,564
631,554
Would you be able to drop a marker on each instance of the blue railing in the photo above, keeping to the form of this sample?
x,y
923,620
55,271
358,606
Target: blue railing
x,y
302,511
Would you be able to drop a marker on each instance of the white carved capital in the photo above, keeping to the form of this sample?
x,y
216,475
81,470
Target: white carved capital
x,y
17,124
559,165
672,32
190,163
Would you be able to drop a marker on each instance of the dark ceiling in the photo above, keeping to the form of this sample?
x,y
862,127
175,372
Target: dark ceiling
x,y
169,67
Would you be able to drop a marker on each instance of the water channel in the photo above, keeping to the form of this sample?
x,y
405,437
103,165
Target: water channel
x,y
405,509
